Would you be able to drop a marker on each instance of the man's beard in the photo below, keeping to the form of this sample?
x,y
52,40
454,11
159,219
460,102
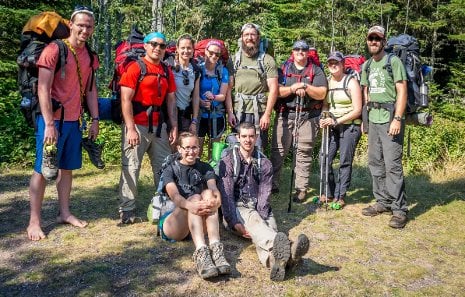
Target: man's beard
x,y
250,51
379,50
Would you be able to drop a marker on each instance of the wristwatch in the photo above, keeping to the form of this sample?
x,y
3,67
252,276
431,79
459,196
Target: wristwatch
x,y
398,118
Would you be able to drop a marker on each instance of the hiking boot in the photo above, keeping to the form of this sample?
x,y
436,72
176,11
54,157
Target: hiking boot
x,y
299,196
298,249
398,221
95,152
374,210
280,256
50,162
218,258
127,217
204,263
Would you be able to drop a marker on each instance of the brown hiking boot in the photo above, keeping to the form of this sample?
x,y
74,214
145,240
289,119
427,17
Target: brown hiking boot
x,y
374,210
298,249
218,258
398,221
280,256
204,263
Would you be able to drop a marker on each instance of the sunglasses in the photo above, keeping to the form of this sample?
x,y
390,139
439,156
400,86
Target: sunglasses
x,y
214,53
301,49
154,44
374,38
185,79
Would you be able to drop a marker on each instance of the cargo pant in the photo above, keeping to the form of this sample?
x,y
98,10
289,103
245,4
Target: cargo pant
x,y
157,148
283,140
262,231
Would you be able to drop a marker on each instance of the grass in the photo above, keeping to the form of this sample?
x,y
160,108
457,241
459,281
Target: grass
x,y
350,255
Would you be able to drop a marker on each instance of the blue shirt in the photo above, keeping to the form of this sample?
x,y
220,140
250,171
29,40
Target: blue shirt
x,y
212,84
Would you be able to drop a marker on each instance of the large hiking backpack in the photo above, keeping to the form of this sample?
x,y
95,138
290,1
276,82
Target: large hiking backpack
x,y
264,48
37,33
127,52
352,68
199,51
312,59
407,48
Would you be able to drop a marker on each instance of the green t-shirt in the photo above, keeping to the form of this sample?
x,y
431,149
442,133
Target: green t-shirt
x,y
251,81
381,85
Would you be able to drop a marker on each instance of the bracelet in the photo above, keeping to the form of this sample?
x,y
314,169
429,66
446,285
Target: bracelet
x,y
194,120
305,86
214,97
96,119
335,123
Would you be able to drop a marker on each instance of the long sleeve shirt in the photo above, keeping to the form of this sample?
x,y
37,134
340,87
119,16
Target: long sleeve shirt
x,y
251,184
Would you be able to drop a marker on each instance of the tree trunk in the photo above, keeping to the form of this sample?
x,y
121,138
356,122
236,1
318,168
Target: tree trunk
x,y
157,13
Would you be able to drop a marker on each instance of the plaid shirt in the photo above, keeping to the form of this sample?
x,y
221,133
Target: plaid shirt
x,y
246,189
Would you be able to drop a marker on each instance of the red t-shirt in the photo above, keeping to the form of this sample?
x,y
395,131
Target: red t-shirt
x,y
152,90
67,90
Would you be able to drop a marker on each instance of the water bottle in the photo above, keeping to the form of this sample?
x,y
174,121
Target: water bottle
x,y
424,95
25,103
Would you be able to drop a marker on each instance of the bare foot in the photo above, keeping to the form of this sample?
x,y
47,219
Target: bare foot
x,y
72,220
35,233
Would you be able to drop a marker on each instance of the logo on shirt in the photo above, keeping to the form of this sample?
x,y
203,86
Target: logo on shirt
x,y
377,81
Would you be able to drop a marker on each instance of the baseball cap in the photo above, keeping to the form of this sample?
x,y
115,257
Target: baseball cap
x,y
377,30
337,56
301,44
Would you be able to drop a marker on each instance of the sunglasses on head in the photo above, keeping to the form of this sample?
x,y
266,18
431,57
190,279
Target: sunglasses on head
x,y
185,77
154,44
214,53
374,38
301,49
81,9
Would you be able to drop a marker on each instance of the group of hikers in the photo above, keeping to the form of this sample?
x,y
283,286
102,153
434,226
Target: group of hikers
x,y
199,106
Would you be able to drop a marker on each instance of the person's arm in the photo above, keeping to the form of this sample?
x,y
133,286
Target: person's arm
x,y
228,203
195,207
228,103
401,103
264,189
216,203
44,86
132,136
172,116
195,107
272,97
92,104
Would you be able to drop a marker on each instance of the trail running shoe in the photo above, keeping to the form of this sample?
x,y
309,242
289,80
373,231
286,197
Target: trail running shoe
x,y
50,162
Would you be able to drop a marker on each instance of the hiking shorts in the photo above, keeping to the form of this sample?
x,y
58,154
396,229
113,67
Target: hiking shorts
x,y
161,221
69,145
204,125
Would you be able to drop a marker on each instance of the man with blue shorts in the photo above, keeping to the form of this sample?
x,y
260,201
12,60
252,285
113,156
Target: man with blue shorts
x,y
59,129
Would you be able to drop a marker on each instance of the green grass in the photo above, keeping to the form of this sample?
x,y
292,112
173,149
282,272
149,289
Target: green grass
x,y
350,255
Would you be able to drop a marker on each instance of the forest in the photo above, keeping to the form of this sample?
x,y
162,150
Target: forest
x,y
342,25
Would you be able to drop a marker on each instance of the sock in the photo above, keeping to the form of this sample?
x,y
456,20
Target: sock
x,y
214,241
201,246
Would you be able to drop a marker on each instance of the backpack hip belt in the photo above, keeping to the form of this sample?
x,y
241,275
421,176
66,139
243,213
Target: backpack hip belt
x,y
378,105
240,98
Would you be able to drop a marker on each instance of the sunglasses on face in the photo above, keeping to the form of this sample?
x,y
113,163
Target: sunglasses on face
x,y
214,53
154,44
374,38
300,49
185,77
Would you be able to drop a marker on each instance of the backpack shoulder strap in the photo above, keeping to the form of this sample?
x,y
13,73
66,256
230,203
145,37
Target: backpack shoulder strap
x,y
62,56
388,65
237,59
236,162
309,71
143,70
196,69
261,62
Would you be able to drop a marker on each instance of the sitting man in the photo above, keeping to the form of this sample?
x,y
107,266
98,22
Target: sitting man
x,y
191,185
245,193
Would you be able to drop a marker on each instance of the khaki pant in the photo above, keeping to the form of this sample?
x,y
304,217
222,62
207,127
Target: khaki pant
x,y
157,148
262,231
282,142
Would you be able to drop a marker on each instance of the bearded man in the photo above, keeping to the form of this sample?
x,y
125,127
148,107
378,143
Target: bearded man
x,y
255,83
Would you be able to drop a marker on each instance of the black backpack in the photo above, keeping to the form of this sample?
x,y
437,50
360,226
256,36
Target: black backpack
x,y
407,48
33,41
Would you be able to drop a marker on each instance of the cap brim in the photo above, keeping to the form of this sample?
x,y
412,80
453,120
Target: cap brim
x,y
376,33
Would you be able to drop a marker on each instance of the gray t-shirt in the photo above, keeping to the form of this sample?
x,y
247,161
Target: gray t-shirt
x,y
183,91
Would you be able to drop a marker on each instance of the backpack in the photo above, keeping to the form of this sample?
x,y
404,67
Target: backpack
x,y
352,68
264,47
37,33
407,48
231,146
199,51
312,59
127,52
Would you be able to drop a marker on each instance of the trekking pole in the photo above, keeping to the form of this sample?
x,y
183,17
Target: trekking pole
x,y
295,141
324,161
209,132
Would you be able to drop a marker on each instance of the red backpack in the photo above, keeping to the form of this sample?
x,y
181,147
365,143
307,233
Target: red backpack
x,y
353,65
199,50
312,58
